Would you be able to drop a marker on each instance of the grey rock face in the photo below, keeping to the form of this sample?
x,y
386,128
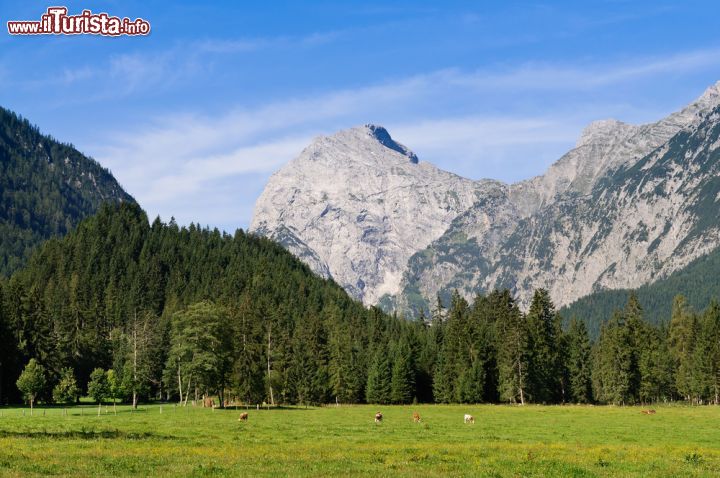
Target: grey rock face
x,y
627,205
356,205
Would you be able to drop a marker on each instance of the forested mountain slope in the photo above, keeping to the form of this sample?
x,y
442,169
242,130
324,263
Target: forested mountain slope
x,y
46,189
178,312
698,282
115,282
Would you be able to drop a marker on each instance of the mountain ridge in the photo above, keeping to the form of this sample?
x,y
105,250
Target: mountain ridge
x,y
46,188
481,246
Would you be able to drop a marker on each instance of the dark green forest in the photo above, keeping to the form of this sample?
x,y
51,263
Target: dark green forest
x,y
698,283
121,308
227,311
46,189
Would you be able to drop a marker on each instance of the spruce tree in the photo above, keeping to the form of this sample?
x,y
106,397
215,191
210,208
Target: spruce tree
x,y
379,384
712,321
442,380
579,366
704,371
544,336
638,331
612,362
513,351
472,379
402,388
656,366
681,340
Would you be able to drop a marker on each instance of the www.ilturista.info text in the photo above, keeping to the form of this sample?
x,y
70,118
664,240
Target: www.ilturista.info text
x,y
56,21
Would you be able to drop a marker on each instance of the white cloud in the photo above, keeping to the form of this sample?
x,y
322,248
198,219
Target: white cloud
x,y
545,76
171,159
191,177
500,148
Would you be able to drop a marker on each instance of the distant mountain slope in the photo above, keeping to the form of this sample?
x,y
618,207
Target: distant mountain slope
x,y
46,188
699,282
628,205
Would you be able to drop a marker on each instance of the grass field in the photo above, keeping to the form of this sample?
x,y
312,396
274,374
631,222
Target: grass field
x,y
505,441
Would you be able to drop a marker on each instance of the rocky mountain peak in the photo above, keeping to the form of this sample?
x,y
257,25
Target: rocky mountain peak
x,y
384,138
356,205
602,131
711,96
368,145
607,214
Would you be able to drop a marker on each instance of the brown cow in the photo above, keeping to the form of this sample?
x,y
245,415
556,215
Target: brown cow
x,y
243,416
416,417
469,418
378,417
649,412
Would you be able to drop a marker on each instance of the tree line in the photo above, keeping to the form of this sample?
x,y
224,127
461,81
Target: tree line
x,y
46,189
128,310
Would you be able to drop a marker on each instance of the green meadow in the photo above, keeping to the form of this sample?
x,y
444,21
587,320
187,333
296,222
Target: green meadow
x,y
512,441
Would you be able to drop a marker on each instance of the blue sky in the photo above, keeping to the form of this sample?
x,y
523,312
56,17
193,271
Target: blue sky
x,y
194,118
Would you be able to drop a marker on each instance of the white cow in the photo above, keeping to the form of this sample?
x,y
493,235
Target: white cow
x,y
469,418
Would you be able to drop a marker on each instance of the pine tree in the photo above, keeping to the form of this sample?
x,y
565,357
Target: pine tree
x,y
346,378
638,332
579,364
656,367
379,384
704,370
513,352
8,350
443,390
454,348
712,323
612,362
303,368
248,364
544,335
681,341
472,379
402,387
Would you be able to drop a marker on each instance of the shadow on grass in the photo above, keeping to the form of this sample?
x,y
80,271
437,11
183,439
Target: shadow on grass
x,y
85,435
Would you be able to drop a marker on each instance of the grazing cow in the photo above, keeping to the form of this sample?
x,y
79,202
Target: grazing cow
x,y
416,417
469,418
243,416
649,412
378,417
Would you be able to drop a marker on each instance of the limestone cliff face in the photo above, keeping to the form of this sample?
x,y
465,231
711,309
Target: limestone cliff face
x,y
356,205
627,205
